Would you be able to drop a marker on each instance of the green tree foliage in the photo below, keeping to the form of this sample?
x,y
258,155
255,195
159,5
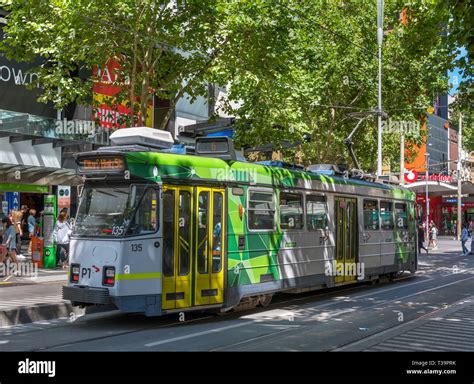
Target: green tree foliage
x,y
314,63
163,47
293,68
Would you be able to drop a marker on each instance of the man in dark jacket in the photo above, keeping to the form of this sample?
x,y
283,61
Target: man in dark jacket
x,y
421,238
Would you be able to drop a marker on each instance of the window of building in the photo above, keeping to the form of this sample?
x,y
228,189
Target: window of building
x,y
291,210
371,215
316,212
386,215
261,210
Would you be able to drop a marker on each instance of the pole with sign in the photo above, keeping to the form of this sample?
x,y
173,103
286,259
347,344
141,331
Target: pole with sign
x,y
64,197
49,219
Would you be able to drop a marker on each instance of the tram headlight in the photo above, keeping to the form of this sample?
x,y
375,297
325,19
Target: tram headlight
x,y
75,268
108,278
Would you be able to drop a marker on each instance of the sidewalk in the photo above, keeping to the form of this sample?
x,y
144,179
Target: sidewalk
x,y
26,299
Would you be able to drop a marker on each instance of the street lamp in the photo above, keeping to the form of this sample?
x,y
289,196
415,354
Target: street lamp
x,y
427,155
379,120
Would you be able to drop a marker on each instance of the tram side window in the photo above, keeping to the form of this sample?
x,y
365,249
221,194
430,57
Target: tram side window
x,y
371,215
291,211
145,218
386,215
401,216
316,213
261,210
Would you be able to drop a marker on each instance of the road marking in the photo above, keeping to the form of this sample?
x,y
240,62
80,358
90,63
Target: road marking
x,y
166,341
256,338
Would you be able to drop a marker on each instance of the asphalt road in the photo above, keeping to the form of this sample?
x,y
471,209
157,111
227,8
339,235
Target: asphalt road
x,y
361,317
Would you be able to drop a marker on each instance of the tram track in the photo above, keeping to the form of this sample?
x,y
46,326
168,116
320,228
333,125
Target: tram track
x,y
231,315
278,303
415,320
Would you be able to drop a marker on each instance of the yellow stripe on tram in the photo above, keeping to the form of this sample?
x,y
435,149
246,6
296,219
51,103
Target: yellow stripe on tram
x,y
138,276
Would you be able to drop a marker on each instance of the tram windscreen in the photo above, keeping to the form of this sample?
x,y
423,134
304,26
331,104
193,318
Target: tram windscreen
x,y
109,211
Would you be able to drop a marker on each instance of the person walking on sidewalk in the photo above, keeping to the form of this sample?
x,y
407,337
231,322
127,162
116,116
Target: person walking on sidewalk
x,y
62,232
9,239
16,221
31,227
421,238
433,235
464,237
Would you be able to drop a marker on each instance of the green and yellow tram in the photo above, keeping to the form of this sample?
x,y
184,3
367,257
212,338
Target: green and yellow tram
x,y
158,232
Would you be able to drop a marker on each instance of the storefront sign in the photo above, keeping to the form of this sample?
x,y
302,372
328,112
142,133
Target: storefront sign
x,y
438,177
411,176
106,86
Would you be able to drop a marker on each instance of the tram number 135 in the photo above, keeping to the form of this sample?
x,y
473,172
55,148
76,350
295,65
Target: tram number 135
x,y
136,248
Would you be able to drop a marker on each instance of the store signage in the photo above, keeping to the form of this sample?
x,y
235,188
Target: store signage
x,y
438,177
411,176
108,83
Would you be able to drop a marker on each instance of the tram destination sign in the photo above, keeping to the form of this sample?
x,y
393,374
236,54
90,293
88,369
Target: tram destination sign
x,y
101,164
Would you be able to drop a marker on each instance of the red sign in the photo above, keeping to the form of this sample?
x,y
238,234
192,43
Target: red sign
x,y
107,84
411,176
438,177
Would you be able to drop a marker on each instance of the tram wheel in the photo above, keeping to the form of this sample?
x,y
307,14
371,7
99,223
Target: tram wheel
x,y
265,300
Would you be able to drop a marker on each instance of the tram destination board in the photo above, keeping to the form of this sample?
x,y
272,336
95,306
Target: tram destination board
x,y
101,164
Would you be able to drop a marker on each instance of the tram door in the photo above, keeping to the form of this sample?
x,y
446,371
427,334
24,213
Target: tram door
x,y
209,246
177,203
345,210
193,240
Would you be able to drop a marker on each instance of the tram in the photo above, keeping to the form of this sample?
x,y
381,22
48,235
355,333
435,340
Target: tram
x,y
158,232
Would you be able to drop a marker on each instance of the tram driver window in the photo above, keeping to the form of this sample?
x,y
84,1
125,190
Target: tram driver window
x,y
291,211
401,218
261,210
371,215
145,219
386,215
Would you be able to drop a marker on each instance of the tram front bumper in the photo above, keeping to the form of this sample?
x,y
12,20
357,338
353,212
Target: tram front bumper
x,y
86,295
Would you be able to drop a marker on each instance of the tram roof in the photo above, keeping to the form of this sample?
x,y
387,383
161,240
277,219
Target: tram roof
x,y
177,166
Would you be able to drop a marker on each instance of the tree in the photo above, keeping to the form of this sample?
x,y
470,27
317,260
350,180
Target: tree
x,y
163,47
313,63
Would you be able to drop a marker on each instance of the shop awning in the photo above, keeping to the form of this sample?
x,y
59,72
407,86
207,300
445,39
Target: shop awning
x,y
33,175
439,188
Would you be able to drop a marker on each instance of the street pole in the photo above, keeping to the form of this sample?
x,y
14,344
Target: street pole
x,y
459,168
426,197
379,116
402,157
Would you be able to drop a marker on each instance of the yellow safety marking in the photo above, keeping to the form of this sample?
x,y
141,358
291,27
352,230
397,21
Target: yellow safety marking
x,y
138,276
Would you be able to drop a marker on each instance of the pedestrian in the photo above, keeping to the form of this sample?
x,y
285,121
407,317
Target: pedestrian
x,y
421,238
470,227
430,236
31,228
16,217
464,237
434,235
62,232
9,239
